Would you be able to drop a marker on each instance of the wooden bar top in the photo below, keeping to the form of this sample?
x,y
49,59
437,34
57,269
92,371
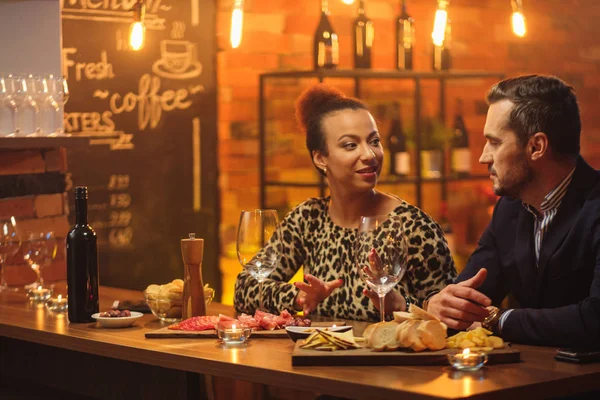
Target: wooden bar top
x,y
268,361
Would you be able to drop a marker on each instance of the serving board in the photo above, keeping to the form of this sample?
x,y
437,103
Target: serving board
x,y
364,356
164,333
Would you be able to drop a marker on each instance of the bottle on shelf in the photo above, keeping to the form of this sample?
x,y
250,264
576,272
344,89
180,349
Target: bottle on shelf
x,y
431,151
326,50
399,155
405,39
460,153
363,38
82,264
447,227
442,59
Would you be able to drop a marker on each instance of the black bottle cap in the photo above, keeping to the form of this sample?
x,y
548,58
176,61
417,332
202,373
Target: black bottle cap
x,y
81,192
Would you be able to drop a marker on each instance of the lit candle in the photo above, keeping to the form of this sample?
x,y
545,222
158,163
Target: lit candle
x,y
39,294
467,360
59,304
233,335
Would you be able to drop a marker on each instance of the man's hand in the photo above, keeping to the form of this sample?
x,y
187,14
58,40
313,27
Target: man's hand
x,y
314,292
458,306
393,300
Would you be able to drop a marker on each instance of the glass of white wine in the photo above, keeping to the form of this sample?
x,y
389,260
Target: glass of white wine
x,y
256,229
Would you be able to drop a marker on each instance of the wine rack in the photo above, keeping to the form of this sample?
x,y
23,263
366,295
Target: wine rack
x,y
358,76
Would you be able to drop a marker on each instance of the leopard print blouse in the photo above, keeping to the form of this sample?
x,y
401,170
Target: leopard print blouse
x,y
311,239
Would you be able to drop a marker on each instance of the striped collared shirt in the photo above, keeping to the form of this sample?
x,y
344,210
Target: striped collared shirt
x,y
549,208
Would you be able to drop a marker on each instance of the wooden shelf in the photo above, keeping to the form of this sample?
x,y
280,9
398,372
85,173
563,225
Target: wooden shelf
x,y
43,142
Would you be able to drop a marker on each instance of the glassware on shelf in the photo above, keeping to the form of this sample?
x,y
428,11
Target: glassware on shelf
x,y
59,91
25,107
381,253
48,108
256,229
9,246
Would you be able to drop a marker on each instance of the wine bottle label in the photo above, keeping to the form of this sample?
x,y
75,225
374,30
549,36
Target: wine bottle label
x,y
402,163
431,160
461,160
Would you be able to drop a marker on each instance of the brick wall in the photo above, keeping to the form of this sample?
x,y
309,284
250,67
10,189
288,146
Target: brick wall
x,y
278,34
32,189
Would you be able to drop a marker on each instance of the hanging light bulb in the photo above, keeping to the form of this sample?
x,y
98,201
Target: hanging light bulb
x,y
137,30
439,24
518,19
237,22
348,1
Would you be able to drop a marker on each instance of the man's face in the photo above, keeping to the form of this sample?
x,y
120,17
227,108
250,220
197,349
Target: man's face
x,y
506,158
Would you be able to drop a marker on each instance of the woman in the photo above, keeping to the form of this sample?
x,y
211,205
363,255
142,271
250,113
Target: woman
x,y
319,234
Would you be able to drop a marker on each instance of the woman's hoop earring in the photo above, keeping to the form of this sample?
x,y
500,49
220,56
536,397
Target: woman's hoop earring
x,y
325,170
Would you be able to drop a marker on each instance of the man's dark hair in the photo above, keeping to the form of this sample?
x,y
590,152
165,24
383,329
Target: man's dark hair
x,y
542,104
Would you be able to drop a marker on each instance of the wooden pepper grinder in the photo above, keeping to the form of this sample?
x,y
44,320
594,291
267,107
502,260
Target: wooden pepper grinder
x,y
192,250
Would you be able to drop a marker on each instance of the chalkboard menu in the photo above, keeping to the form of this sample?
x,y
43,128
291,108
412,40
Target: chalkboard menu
x,y
151,115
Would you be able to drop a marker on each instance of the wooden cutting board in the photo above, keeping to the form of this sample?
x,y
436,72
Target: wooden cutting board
x,y
364,356
164,333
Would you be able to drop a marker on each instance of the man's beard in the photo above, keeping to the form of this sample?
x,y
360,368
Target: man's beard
x,y
515,180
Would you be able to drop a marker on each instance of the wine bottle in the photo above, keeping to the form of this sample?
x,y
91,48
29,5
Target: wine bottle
x,y
399,156
82,263
363,38
460,153
431,151
447,227
442,59
326,47
405,37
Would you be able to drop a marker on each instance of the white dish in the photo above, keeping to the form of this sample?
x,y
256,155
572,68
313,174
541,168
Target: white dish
x,y
302,332
117,322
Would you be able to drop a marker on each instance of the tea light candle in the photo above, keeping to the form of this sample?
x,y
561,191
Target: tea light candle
x,y
233,335
58,305
39,294
467,360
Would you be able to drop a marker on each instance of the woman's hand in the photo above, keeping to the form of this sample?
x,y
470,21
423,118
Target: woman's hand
x,y
314,292
393,301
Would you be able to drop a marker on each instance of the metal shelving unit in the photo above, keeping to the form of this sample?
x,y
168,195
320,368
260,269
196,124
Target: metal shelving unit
x,y
358,76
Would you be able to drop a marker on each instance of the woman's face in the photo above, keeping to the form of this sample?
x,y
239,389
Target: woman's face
x,y
355,154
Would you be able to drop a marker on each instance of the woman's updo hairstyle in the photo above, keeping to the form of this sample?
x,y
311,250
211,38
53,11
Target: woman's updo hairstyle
x,y
314,104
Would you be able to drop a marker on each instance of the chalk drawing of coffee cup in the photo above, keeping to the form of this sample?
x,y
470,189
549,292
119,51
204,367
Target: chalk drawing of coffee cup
x,y
178,60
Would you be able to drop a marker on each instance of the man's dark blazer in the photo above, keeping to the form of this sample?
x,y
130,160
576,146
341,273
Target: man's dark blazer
x,y
559,299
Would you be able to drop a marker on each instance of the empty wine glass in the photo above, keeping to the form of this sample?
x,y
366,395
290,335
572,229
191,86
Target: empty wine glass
x,y
47,107
9,246
59,90
25,107
39,250
7,125
381,254
257,245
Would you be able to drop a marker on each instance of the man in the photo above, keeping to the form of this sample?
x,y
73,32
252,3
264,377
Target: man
x,y
543,243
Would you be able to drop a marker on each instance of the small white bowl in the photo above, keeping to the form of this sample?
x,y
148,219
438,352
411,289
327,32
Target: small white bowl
x,y
117,322
302,332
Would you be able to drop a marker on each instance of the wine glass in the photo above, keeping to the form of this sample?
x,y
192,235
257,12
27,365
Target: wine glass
x,y
39,250
9,246
256,245
381,252
59,91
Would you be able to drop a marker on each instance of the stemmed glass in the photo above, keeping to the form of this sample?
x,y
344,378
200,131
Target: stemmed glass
x,y
9,246
39,250
381,252
59,90
256,229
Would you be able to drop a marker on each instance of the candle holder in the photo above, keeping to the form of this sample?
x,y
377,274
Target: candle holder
x,y
467,360
58,304
233,335
39,294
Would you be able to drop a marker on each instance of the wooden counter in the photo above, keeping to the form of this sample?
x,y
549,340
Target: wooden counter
x,y
94,355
